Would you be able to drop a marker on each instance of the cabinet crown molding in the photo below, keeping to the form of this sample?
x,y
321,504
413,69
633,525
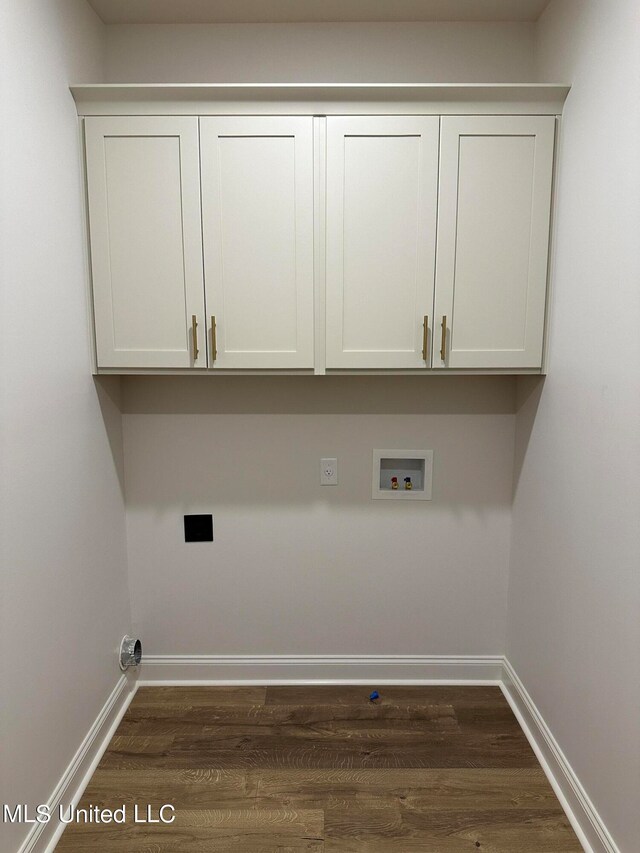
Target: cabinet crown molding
x,y
319,98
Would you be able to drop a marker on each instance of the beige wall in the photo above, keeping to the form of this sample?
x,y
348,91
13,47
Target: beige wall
x,y
341,52
64,596
574,605
300,568
294,567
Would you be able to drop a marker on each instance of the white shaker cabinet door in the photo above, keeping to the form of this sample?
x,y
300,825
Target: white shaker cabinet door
x,y
257,204
493,238
146,246
382,174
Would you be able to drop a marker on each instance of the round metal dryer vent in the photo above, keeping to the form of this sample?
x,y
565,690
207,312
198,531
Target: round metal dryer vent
x,y
130,652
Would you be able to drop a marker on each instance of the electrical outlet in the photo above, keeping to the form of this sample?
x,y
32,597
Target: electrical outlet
x,y
328,472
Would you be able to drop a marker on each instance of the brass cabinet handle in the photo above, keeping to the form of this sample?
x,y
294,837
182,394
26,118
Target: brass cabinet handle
x,y
194,329
425,335
443,342
214,349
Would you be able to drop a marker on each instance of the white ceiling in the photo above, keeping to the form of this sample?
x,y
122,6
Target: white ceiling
x,y
311,11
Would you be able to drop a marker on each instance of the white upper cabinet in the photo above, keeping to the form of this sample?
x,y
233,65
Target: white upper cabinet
x,y
146,249
257,206
302,229
493,237
382,175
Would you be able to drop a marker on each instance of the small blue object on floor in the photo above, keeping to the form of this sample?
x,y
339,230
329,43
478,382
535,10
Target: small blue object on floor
x,y
375,695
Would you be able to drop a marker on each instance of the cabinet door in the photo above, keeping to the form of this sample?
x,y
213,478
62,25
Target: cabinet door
x,y
146,245
493,237
257,206
382,174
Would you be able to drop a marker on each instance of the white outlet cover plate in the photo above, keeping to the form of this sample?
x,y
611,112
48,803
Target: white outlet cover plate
x,y
329,472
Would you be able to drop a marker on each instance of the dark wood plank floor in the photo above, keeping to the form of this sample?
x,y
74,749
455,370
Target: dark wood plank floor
x,y
257,770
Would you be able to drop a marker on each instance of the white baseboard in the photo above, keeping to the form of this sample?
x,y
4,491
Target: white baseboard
x,y
317,669
587,823
44,836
